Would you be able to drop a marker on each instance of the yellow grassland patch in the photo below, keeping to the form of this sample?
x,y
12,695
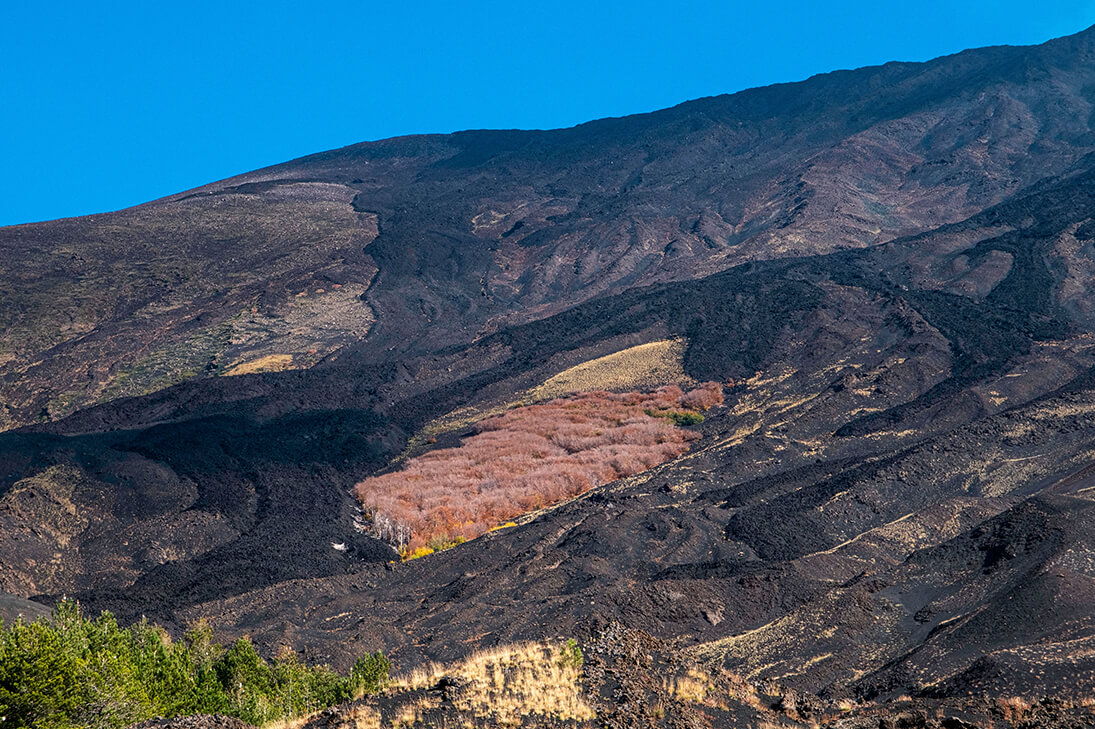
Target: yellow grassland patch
x,y
269,363
511,683
691,688
640,367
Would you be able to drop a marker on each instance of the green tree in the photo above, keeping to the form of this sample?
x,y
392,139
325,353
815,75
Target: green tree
x,y
40,682
369,674
75,672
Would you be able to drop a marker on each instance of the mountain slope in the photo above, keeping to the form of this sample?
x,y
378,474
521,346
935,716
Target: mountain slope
x,y
890,270
453,236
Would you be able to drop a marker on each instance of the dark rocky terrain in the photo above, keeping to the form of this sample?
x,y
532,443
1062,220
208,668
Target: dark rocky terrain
x,y
890,268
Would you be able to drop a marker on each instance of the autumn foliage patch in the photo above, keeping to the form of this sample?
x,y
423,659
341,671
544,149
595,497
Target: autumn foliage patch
x,y
528,458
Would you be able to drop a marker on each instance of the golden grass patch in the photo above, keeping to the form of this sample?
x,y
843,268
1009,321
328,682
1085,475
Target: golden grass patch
x,y
511,683
269,363
643,366
690,688
365,717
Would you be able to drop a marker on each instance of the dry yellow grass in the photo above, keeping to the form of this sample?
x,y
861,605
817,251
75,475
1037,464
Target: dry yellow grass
x,y
1014,708
411,714
511,683
294,723
269,363
643,366
691,688
365,717
699,687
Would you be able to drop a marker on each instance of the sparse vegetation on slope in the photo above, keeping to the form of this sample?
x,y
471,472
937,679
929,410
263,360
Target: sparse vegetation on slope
x,y
635,368
528,458
77,672
510,685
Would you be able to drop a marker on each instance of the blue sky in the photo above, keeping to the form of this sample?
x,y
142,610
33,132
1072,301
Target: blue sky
x,y
109,104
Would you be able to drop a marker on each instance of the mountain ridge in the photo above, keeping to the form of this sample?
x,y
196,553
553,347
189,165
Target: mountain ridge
x,y
632,242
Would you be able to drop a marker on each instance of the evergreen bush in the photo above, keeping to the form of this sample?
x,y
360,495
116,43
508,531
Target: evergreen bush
x,y
73,671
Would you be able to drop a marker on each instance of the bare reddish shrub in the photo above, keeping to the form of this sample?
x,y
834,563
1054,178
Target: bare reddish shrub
x,y
703,397
528,458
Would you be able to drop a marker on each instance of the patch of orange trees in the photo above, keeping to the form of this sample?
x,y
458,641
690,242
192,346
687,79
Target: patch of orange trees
x,y
527,458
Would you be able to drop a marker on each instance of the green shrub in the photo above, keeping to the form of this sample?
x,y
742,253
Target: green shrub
x,y
677,417
443,542
435,544
570,654
77,672
684,417
369,674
